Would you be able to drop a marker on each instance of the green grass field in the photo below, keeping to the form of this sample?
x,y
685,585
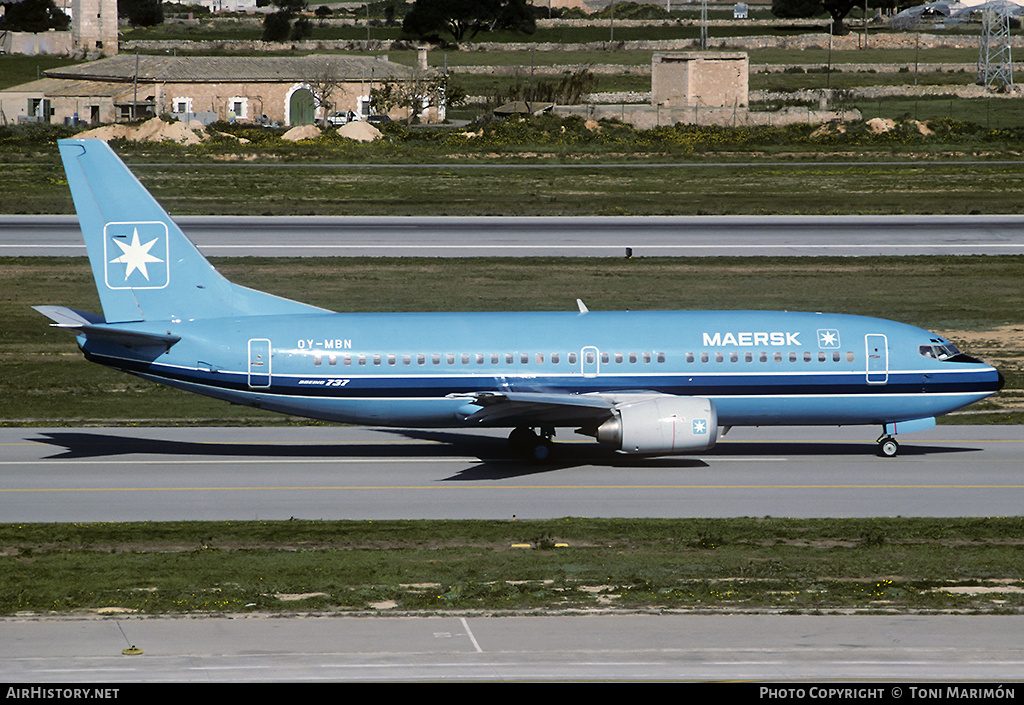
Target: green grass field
x,y
882,181
885,566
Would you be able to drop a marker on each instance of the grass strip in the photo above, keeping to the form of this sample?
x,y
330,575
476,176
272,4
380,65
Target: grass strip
x,y
725,189
899,565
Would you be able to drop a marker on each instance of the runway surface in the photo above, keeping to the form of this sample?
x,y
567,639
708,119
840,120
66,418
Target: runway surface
x,y
231,236
139,474
811,651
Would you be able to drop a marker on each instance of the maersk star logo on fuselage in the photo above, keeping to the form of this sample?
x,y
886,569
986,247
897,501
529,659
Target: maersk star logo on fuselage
x,y
136,255
828,338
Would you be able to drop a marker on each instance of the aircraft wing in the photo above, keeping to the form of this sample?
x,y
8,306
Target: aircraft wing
x,y
544,408
94,328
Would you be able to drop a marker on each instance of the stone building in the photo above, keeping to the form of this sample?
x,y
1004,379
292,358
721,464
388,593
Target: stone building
x,y
94,27
702,88
281,89
705,79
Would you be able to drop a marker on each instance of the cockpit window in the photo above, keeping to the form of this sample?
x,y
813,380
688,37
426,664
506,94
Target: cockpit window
x,y
939,352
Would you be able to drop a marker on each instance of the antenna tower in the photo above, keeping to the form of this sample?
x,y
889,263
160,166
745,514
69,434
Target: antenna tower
x,y
995,63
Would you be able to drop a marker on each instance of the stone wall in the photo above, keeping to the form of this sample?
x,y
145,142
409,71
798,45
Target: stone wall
x,y
797,42
35,43
645,117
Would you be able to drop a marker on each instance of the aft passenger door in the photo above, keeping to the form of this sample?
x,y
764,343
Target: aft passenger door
x,y
259,363
877,349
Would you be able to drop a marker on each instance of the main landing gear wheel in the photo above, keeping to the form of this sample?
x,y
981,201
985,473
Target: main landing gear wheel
x,y
536,447
888,447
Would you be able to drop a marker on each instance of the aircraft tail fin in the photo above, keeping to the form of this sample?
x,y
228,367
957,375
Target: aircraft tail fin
x,y
145,267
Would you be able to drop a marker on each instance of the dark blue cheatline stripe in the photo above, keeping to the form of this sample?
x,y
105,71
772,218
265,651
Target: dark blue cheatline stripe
x,y
426,387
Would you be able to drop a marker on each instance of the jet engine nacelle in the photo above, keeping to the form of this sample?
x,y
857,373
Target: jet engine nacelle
x,y
662,425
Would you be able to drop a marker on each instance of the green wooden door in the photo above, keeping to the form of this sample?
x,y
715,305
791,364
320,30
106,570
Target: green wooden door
x,y
300,108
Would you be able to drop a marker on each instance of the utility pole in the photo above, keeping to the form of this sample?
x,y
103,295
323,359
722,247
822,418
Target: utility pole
x,y
704,24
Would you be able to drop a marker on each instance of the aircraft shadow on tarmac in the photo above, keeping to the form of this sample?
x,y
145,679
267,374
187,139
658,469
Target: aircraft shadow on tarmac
x,y
499,465
492,454
79,445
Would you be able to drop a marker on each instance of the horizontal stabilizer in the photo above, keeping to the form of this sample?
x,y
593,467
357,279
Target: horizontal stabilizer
x,y
64,317
94,328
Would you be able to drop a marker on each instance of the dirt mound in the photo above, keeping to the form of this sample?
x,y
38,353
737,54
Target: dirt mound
x,y
302,132
155,130
881,125
359,131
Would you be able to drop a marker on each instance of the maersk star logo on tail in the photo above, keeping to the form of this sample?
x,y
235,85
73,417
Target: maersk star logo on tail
x,y
136,255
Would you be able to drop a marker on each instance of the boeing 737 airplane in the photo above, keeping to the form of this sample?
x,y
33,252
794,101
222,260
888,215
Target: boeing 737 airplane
x,y
642,382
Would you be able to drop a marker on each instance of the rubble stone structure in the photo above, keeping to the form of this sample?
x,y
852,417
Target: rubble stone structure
x,y
700,79
94,27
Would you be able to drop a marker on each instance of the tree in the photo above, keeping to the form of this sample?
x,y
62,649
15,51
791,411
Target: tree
x,y
322,80
837,9
277,26
302,28
33,16
796,9
464,19
422,90
141,13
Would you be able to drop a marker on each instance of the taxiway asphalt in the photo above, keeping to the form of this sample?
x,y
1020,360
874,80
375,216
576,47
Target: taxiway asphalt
x,y
869,651
153,474
657,236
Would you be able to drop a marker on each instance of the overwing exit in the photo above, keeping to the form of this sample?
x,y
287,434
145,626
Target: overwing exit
x,y
641,382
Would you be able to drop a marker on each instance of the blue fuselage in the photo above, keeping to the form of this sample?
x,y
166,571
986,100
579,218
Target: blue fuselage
x,y
760,368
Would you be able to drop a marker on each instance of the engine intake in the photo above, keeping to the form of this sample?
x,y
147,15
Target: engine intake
x,y
661,426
